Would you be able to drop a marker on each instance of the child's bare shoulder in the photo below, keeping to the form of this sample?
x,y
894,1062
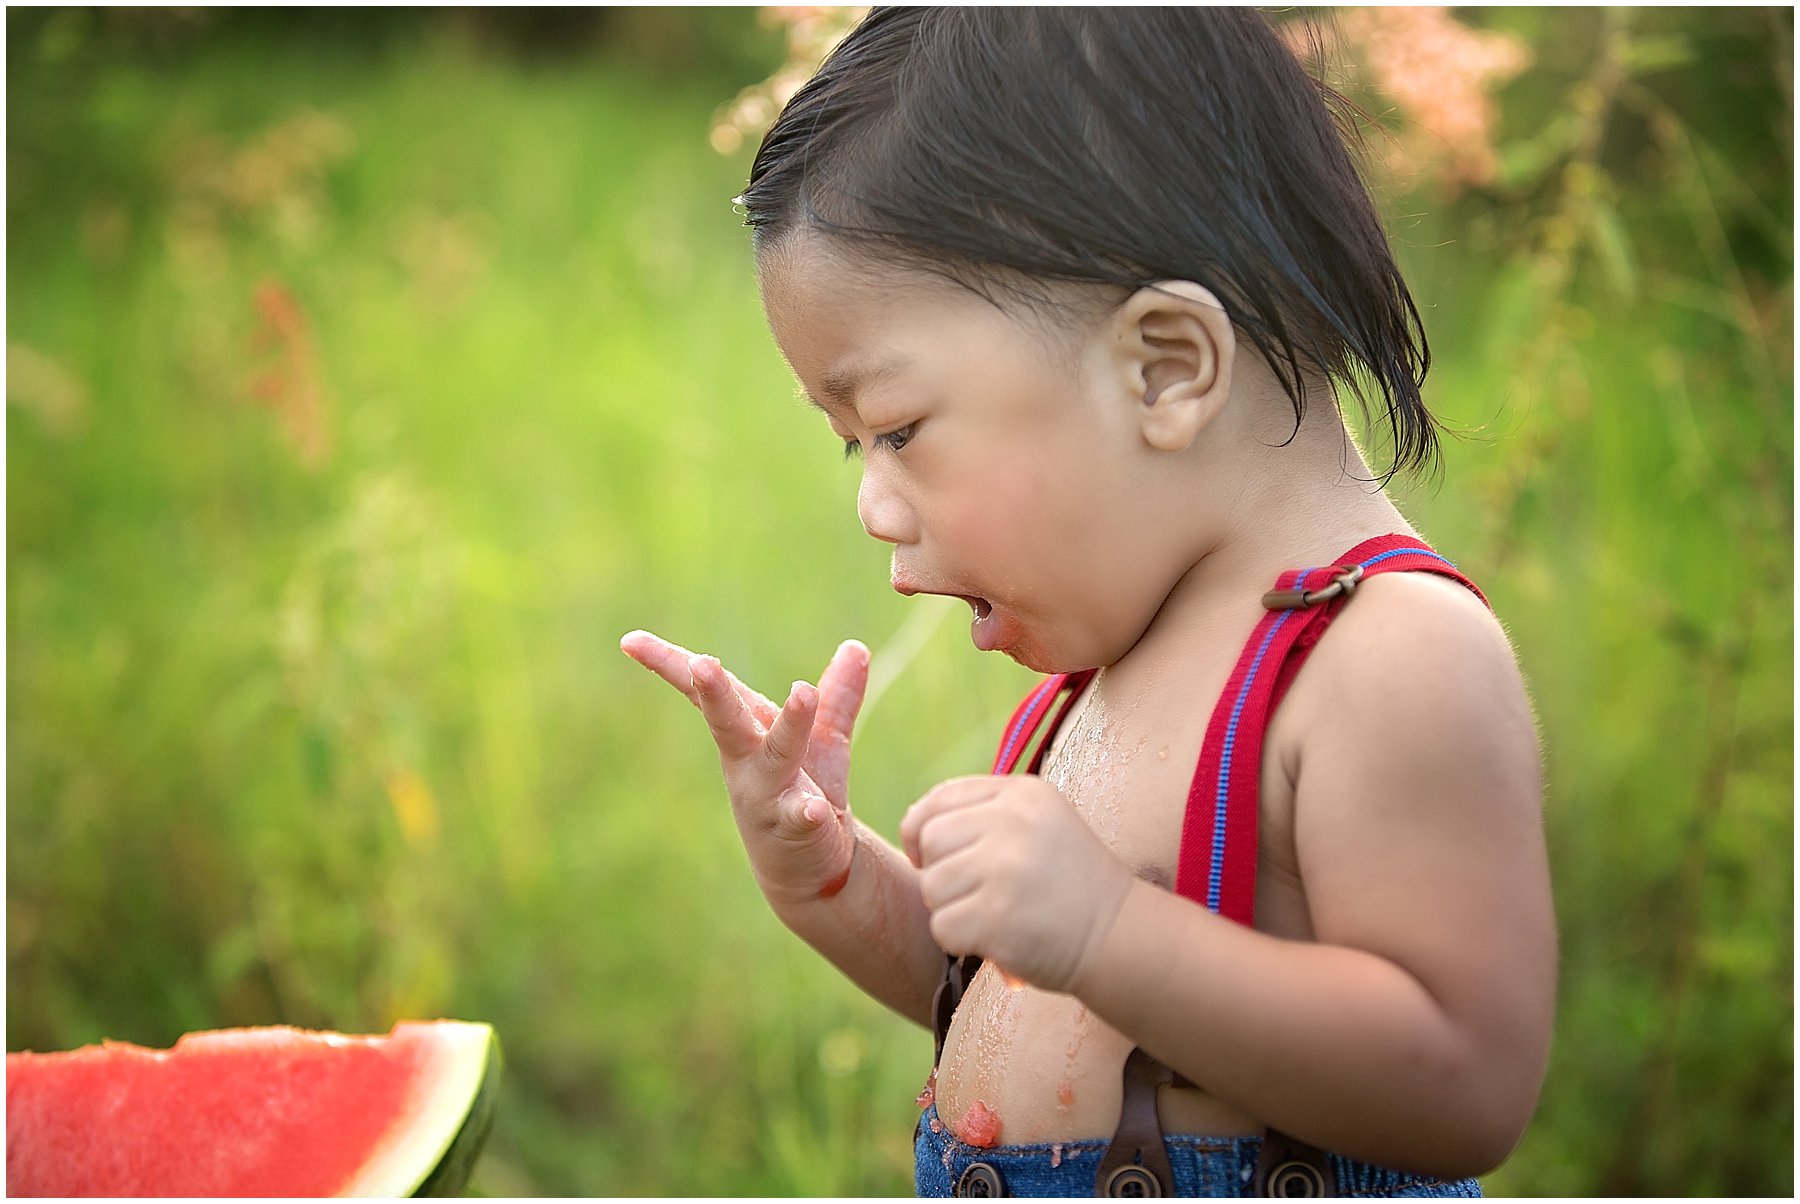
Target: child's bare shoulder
x,y
1414,692
1413,652
1417,785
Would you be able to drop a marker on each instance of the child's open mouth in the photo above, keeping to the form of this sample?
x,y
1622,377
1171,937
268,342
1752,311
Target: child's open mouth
x,y
984,630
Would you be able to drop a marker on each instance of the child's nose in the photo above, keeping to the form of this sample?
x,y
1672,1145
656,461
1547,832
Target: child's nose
x,y
884,514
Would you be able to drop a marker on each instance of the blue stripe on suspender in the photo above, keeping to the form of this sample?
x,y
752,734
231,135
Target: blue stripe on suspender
x,y
1215,872
1374,560
1025,720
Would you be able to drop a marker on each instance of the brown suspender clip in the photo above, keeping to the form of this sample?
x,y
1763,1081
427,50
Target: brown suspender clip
x,y
1290,1168
1343,581
1136,1163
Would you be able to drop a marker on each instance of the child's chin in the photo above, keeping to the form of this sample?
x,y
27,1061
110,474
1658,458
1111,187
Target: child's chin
x,y
1001,630
1038,659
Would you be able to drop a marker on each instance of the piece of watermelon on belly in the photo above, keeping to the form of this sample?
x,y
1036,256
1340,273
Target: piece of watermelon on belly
x,y
254,1112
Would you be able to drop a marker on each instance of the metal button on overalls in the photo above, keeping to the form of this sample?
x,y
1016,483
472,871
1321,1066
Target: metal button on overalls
x,y
1296,1180
980,1179
1132,1182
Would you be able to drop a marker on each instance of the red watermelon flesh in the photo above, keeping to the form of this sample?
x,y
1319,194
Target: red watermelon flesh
x,y
251,1112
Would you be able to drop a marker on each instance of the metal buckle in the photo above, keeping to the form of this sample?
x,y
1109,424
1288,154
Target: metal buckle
x,y
1343,582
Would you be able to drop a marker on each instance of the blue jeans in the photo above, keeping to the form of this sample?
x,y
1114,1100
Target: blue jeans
x,y
1204,1166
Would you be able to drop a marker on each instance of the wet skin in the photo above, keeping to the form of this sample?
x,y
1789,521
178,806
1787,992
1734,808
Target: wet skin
x,y
1121,497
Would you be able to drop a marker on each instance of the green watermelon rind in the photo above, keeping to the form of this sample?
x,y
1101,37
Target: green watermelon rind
x,y
451,1175
448,1120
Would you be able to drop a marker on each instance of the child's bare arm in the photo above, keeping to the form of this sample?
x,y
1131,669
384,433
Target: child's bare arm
x,y
838,885
1413,1030
876,929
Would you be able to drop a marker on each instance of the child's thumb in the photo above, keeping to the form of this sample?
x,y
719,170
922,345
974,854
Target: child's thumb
x,y
801,809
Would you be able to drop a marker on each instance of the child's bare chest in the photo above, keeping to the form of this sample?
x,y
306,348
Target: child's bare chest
x,y
1127,767
1124,769
1042,1063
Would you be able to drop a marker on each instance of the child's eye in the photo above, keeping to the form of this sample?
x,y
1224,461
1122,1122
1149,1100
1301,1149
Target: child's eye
x,y
895,440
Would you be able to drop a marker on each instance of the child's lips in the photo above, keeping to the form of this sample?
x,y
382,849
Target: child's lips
x,y
983,629
986,630
980,605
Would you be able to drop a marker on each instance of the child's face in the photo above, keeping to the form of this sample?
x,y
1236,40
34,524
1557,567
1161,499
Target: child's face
x,y
1004,463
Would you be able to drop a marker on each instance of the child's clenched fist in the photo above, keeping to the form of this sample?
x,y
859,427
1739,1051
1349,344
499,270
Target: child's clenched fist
x,y
1011,871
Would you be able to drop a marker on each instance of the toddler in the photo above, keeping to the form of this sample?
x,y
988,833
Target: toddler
x,y
1255,899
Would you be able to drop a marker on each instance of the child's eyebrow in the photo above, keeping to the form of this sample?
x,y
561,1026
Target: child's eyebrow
x,y
841,384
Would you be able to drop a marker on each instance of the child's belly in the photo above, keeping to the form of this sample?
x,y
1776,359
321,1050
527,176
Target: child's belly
x,y
1030,1066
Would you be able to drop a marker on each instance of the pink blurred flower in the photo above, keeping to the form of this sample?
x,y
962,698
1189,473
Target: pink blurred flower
x,y
1440,75
813,32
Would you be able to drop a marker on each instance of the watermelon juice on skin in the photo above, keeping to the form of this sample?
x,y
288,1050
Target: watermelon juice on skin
x,y
254,1112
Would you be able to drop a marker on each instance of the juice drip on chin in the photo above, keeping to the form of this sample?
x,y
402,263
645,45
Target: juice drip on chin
x,y
928,1096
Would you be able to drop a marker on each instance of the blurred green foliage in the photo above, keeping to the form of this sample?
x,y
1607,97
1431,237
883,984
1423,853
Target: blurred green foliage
x,y
369,374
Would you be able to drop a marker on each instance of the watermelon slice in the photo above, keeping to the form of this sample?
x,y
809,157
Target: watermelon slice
x,y
254,1112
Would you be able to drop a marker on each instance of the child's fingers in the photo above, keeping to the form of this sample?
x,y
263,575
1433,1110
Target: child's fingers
x,y
956,927
841,688
948,878
674,664
761,707
734,729
671,662
952,828
940,800
785,745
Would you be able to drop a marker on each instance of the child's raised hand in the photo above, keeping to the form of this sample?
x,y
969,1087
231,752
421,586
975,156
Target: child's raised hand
x,y
1011,871
787,767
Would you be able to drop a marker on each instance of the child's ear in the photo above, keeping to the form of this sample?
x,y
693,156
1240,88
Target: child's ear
x,y
1176,347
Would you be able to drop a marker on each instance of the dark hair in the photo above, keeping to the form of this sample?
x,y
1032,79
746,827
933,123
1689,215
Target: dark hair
x,y
1116,146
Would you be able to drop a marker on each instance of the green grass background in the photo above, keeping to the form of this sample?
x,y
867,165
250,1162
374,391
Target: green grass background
x,y
369,376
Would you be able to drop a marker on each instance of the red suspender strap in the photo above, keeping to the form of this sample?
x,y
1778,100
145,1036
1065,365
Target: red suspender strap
x,y
1030,716
1217,863
1024,722
1075,684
